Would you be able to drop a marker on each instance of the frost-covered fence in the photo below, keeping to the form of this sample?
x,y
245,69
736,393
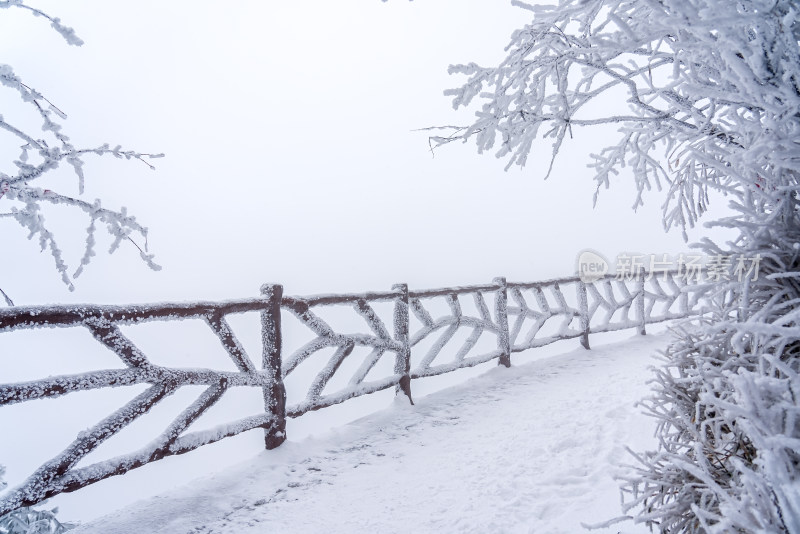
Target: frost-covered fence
x,y
409,335
60,474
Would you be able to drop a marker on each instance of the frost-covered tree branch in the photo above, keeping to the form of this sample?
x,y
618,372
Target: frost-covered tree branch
x,y
66,32
712,89
21,200
706,86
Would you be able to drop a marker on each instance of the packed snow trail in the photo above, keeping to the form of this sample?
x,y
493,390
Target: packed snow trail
x,y
527,449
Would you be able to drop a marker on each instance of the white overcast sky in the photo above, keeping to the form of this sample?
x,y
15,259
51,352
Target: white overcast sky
x,y
290,152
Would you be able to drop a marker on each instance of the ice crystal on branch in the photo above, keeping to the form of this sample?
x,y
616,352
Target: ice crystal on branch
x,y
711,90
41,153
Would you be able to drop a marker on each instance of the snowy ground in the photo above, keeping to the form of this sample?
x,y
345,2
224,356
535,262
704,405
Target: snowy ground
x,y
527,449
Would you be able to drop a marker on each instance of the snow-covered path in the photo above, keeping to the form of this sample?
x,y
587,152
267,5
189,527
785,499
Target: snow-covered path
x,y
526,449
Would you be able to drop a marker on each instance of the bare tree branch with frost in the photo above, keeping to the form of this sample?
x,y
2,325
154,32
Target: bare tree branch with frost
x,y
712,90
42,153
701,81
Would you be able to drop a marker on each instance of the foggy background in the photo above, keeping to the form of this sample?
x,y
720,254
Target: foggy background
x,y
291,158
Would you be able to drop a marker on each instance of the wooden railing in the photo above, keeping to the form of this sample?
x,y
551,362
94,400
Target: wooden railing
x,y
536,314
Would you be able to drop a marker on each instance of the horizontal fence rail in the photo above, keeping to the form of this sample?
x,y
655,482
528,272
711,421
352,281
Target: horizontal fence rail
x,y
477,323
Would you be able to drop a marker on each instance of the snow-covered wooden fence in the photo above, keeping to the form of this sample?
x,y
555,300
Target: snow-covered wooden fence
x,y
523,316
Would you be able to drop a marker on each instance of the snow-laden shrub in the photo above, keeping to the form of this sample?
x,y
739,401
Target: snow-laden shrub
x,y
728,405
30,521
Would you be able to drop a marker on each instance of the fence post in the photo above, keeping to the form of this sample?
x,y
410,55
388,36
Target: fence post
x,y
640,304
402,365
501,309
583,308
275,392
